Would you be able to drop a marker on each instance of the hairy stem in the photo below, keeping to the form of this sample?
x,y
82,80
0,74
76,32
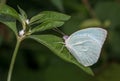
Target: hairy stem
x,y
13,60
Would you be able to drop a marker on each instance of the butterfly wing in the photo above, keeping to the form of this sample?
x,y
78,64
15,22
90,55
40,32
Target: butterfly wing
x,y
85,45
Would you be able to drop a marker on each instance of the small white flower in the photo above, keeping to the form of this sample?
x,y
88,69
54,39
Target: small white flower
x,y
27,21
21,33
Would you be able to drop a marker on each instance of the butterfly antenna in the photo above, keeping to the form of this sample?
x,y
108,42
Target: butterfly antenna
x,y
59,31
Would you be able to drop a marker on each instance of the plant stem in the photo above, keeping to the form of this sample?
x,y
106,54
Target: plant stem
x,y
13,60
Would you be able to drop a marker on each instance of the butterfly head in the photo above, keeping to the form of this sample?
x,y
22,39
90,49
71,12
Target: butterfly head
x,y
65,37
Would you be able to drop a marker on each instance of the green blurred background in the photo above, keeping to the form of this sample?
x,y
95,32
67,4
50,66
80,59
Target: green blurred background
x,y
35,62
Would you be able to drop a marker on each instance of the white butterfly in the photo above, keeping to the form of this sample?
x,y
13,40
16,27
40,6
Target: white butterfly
x,y
85,45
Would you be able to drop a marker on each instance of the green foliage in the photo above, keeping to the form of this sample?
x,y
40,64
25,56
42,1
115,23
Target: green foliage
x,y
53,43
7,10
48,20
37,63
23,17
9,21
43,21
49,15
47,25
23,13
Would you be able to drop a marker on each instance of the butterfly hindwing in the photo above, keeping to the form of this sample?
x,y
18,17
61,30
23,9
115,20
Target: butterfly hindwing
x,y
85,45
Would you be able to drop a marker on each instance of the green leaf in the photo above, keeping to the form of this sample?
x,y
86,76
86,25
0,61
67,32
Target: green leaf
x,y
53,43
49,15
22,12
47,25
35,19
9,21
7,10
23,15
48,20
